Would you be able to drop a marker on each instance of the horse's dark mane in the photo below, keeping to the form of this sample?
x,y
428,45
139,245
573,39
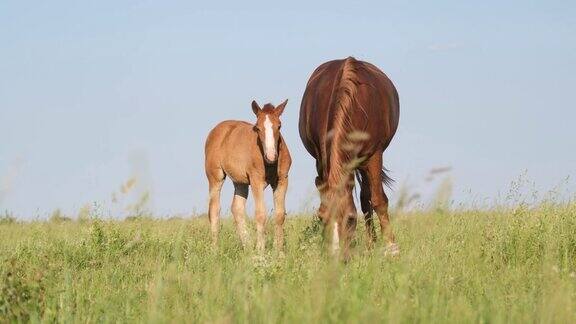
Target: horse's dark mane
x,y
343,99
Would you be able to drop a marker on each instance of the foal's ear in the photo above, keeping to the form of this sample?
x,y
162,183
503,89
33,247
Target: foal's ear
x,y
280,108
255,108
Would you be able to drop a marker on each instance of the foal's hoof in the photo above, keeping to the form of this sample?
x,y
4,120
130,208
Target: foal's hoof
x,y
392,250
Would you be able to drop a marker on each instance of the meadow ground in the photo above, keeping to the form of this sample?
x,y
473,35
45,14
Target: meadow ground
x,y
498,266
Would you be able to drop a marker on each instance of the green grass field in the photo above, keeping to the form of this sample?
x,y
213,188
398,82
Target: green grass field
x,y
494,266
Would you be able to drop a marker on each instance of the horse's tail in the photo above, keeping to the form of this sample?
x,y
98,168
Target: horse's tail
x,y
386,179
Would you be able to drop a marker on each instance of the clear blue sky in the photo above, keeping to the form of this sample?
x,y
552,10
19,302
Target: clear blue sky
x,y
93,91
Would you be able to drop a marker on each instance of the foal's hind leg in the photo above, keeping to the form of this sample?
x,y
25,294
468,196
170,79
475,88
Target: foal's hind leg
x,y
216,178
367,210
380,201
239,212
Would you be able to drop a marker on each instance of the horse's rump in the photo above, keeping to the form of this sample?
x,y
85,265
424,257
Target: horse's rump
x,y
344,98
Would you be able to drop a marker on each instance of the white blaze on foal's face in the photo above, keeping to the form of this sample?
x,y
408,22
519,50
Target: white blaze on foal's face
x,y
269,140
268,128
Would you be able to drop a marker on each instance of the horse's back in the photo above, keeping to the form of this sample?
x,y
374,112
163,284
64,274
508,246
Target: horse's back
x,y
377,103
221,132
374,108
314,106
231,147
222,136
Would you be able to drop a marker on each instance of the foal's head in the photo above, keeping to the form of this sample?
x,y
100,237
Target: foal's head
x,y
268,128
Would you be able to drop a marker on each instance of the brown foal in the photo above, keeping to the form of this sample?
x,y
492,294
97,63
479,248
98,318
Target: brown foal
x,y
252,155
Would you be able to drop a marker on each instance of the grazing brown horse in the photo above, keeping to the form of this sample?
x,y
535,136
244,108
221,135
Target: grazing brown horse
x,y
251,155
348,116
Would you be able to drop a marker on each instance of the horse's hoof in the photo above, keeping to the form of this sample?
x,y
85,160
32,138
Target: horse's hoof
x,y
392,250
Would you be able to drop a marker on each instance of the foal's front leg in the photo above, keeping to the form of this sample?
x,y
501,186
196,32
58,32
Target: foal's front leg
x,y
258,192
280,212
215,181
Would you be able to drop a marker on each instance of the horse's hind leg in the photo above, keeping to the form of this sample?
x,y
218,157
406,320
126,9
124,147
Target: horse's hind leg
x,y
239,212
216,178
380,201
367,210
